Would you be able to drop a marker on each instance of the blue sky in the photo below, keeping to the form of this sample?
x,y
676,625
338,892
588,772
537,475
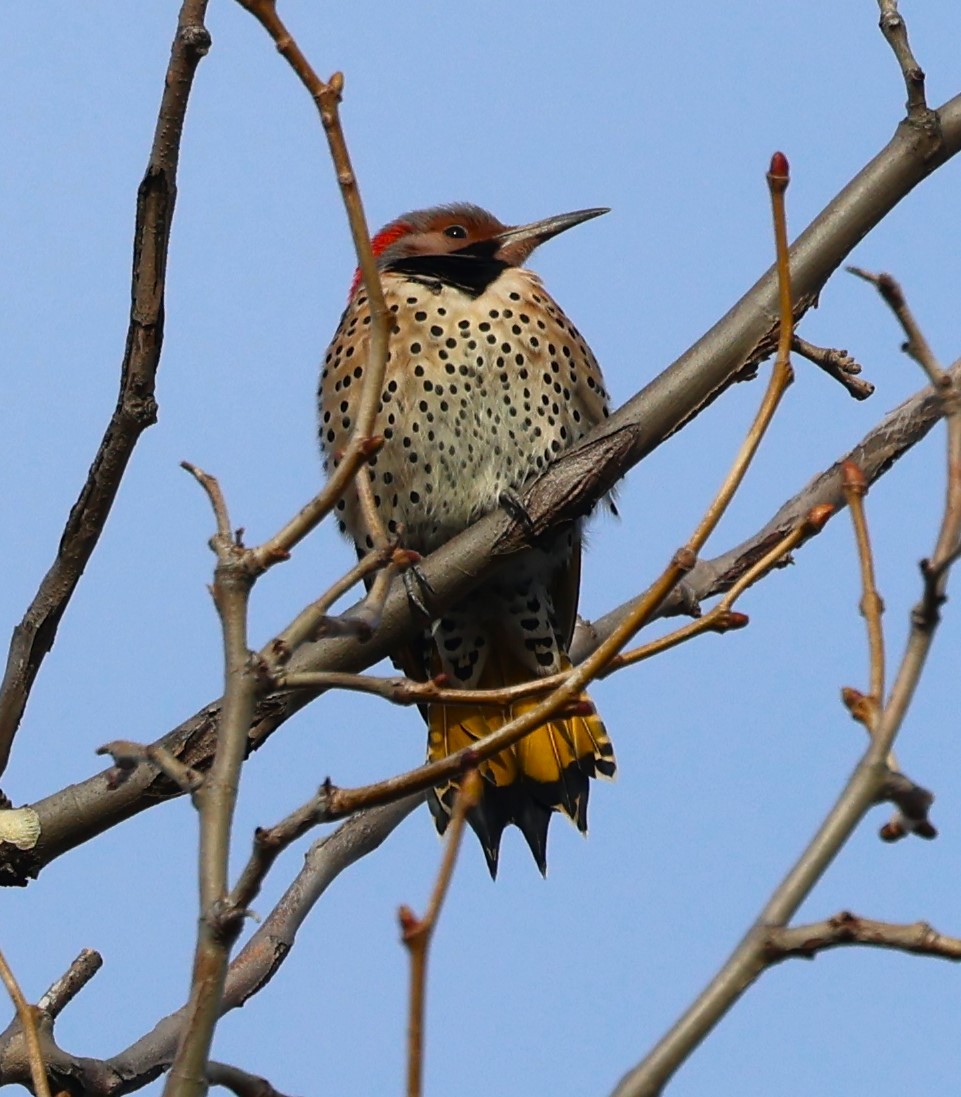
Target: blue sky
x,y
730,748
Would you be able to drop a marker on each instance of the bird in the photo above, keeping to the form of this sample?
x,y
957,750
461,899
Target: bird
x,y
487,382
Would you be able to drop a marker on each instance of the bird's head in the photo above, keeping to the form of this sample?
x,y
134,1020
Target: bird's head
x,y
462,244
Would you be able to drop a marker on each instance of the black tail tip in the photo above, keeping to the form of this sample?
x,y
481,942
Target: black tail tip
x,y
528,805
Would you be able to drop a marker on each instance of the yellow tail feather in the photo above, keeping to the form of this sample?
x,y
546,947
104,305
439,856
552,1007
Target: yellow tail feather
x,y
547,771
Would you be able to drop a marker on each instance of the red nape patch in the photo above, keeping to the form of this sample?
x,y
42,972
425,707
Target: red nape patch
x,y
380,243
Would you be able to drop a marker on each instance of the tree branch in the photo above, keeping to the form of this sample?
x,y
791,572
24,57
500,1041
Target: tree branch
x,y
846,928
866,786
136,407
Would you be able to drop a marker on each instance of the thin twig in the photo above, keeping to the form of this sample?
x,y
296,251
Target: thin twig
x,y
211,486
896,34
136,408
806,941
362,444
368,509
720,618
269,843
917,346
28,1026
837,364
128,755
313,621
219,924
872,607
417,932
238,1081
61,993
781,375
363,620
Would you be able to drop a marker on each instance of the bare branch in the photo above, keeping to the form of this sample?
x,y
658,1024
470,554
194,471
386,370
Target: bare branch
x,y
837,364
417,932
28,1028
219,925
846,928
917,345
211,487
362,445
240,1081
61,993
868,784
136,407
264,954
855,488
896,34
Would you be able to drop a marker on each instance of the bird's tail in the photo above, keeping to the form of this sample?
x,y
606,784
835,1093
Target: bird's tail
x,y
548,770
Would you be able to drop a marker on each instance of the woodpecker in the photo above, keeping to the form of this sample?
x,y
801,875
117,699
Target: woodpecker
x,y
487,382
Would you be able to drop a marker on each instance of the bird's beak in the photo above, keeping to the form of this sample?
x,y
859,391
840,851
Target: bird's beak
x,y
517,242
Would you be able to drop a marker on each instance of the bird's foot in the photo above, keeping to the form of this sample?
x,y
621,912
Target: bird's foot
x,y
418,588
513,505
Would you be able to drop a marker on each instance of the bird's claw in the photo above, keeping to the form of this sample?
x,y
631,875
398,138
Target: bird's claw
x,y
512,503
418,587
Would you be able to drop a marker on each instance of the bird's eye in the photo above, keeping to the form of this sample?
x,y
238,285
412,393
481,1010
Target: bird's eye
x,y
456,232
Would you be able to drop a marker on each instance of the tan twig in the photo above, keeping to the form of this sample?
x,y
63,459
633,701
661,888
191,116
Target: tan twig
x,y
269,843
408,691
896,34
313,621
28,1026
835,363
946,386
362,445
368,509
365,618
721,618
136,408
417,932
846,928
781,375
872,607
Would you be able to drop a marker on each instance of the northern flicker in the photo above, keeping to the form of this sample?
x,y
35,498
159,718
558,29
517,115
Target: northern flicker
x,y
487,382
